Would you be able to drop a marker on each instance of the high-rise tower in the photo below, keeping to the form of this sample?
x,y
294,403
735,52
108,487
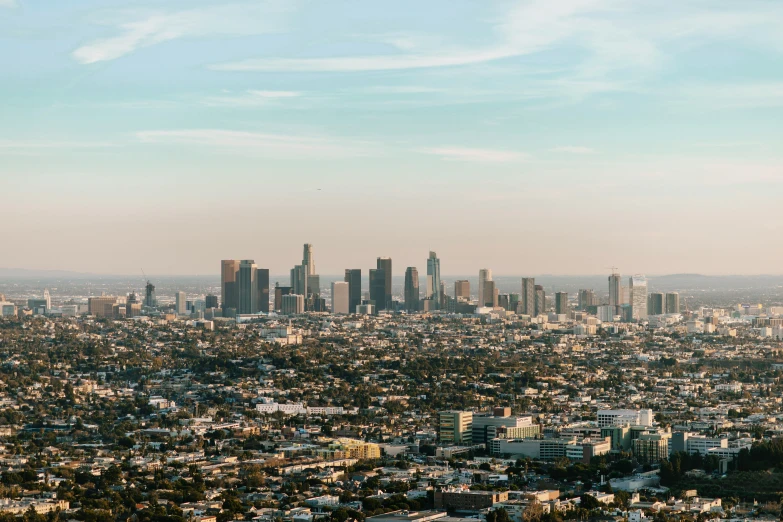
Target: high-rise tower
x,y
228,287
307,259
412,288
527,298
433,280
638,294
353,276
485,274
615,291
247,287
385,264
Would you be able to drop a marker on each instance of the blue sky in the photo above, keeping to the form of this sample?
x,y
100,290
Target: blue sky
x,y
530,137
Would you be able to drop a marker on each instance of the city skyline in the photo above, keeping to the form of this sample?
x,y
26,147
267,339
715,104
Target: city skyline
x,y
582,127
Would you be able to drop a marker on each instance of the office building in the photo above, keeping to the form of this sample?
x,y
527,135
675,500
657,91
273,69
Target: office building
x,y
411,292
299,285
625,418
456,499
561,303
638,297
313,284
262,280
455,427
540,300
487,427
490,294
280,291
181,305
586,299
385,265
132,306
228,288
7,309
38,306
247,287
377,288
656,304
340,298
615,290
47,299
353,276
433,280
149,296
503,301
101,307
211,301
527,298
672,303
293,304
462,289
485,275
307,259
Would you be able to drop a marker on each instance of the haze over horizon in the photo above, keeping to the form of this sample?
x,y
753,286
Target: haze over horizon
x,y
529,137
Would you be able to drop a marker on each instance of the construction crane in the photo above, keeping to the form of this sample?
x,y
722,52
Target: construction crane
x,y
612,268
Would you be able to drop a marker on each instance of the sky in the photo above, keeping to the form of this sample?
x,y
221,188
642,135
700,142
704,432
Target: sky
x,y
529,137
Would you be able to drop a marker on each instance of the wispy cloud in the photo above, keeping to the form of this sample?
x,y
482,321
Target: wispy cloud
x,y
475,155
730,95
151,28
262,144
14,147
250,98
7,3
573,149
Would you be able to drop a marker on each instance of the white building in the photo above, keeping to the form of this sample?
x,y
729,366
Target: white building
x,y
340,301
625,418
293,304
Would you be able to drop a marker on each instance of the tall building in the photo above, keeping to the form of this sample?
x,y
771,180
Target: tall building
x,y
132,306
149,296
615,290
228,287
211,301
299,284
101,306
353,276
314,284
262,279
307,259
47,299
490,294
181,303
412,288
462,289
247,287
293,304
587,298
455,427
485,275
638,297
378,289
280,291
672,303
340,297
433,279
540,300
561,302
527,298
656,304
385,264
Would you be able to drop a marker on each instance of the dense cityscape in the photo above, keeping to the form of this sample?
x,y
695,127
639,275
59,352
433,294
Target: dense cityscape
x,y
373,400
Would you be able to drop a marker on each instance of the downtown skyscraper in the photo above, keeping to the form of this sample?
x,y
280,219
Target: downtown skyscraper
x,y
353,276
383,300
527,298
485,275
433,292
638,288
411,289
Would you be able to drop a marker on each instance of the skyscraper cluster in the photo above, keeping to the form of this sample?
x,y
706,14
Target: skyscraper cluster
x,y
244,287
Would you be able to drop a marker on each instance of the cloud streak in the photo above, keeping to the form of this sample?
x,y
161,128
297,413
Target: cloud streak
x,y
153,28
573,149
259,144
475,155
